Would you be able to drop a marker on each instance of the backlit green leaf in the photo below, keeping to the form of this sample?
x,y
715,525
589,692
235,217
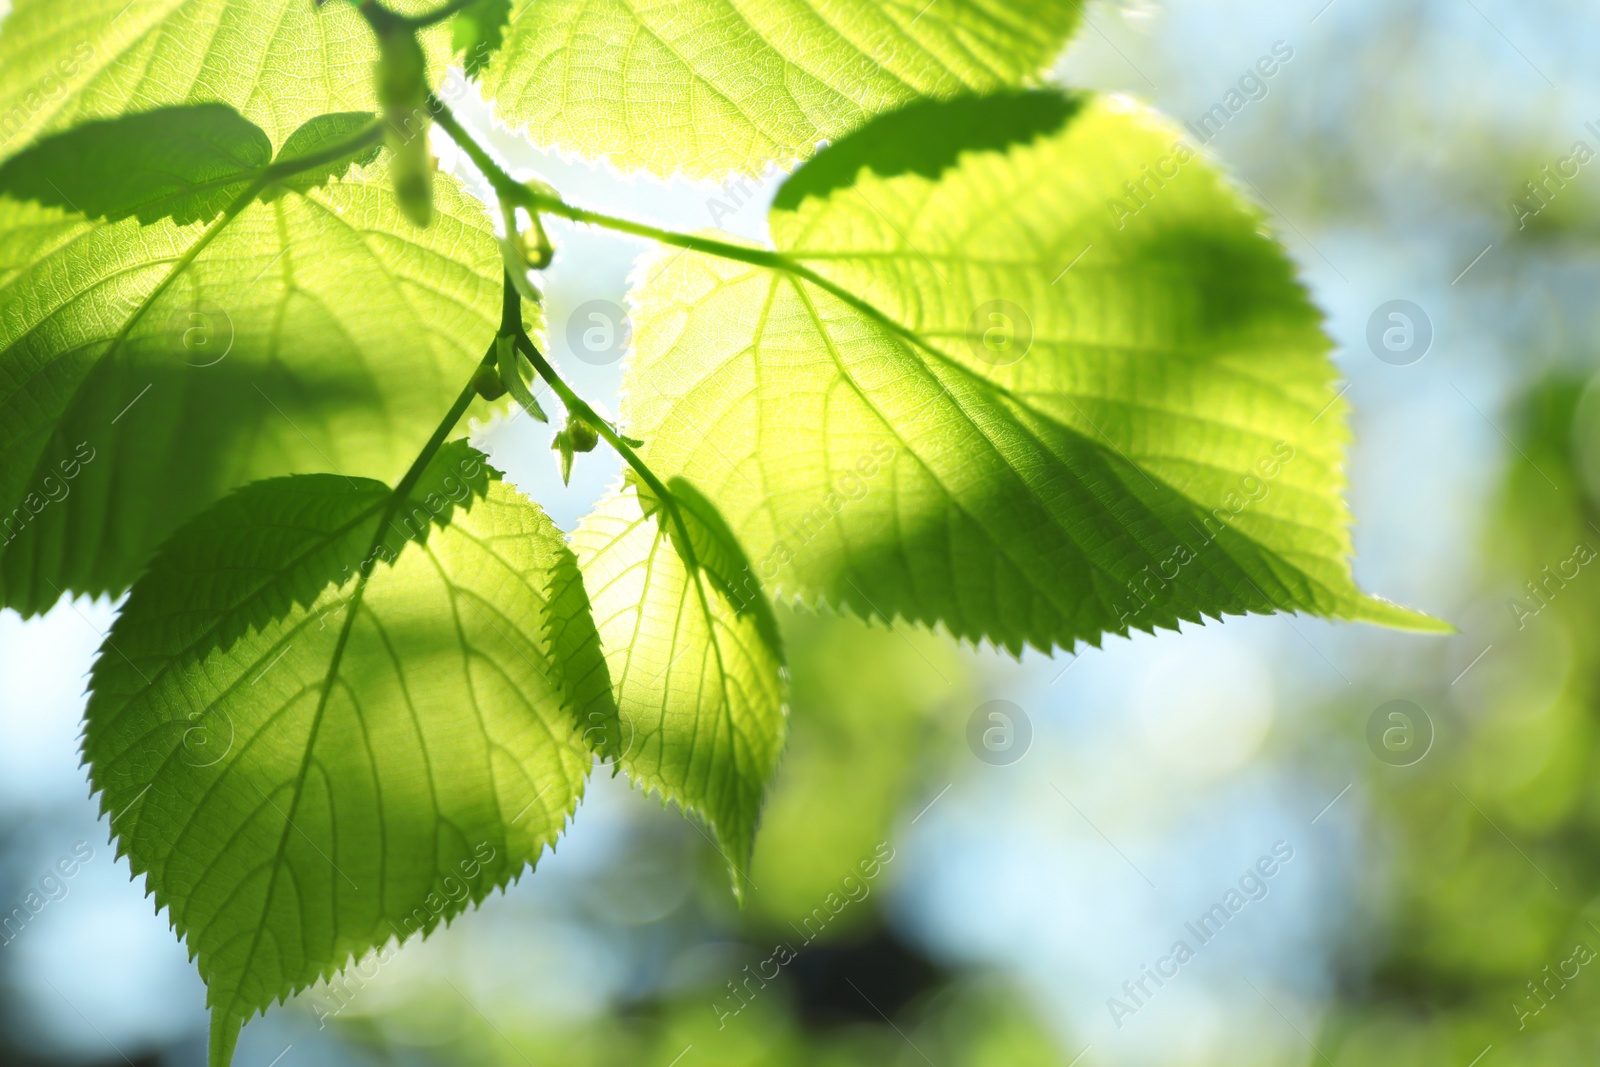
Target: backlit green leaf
x,y
710,86
478,31
279,62
1057,386
317,138
185,163
696,660
146,370
305,763
182,163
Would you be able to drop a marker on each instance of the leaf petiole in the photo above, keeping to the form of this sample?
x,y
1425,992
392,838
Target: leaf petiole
x,y
513,193
622,444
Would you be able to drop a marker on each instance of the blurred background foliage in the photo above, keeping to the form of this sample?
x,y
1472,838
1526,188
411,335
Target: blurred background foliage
x,y
1491,914
1435,913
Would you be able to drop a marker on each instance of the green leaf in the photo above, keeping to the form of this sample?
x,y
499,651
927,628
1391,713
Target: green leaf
x,y
186,163
182,163
709,87
146,370
279,62
319,138
897,143
478,31
328,717
695,658
1037,393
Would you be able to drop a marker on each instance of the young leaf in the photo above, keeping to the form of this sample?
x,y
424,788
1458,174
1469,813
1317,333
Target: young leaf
x,y
328,717
146,370
183,163
279,62
709,87
478,30
1038,392
695,658
318,137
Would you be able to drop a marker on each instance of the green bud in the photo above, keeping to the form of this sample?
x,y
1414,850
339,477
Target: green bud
x,y
530,248
511,377
583,436
486,380
402,70
577,436
563,444
517,267
536,246
402,88
542,188
412,169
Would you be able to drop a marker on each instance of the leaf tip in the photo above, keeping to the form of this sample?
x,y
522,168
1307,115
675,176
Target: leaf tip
x,y
1380,612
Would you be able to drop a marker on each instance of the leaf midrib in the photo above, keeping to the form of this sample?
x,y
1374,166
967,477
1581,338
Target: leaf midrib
x,y
800,274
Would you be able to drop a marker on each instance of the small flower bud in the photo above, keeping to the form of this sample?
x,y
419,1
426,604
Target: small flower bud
x,y
486,380
402,89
